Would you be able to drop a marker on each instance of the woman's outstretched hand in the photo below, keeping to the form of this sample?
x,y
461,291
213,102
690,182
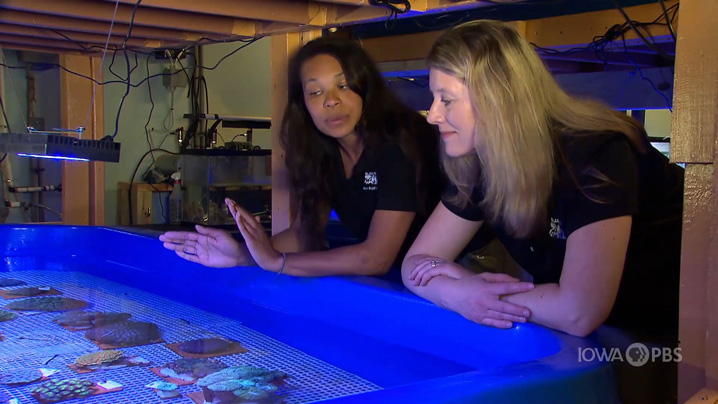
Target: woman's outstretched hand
x,y
209,247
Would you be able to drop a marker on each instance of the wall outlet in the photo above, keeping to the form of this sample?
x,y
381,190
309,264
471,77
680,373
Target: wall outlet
x,y
174,78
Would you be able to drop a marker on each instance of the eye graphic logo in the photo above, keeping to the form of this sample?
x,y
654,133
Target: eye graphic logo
x,y
637,354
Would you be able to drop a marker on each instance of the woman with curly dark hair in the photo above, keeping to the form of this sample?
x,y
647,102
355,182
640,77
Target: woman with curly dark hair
x,y
351,146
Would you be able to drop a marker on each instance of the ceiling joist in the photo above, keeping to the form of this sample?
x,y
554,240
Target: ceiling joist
x,y
81,25
82,10
291,11
31,19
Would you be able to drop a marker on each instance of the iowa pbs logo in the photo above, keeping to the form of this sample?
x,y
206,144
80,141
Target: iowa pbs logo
x,y
636,354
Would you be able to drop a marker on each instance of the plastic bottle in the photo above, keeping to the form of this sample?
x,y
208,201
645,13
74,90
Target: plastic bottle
x,y
176,201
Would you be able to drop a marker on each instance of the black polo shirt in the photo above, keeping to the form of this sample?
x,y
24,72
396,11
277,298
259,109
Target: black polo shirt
x,y
383,179
644,186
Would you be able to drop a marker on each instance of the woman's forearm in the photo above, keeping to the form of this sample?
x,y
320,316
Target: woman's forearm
x,y
552,308
356,259
437,291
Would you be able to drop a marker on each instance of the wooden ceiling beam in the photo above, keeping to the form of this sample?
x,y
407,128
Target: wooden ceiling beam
x,y
7,41
289,11
416,5
81,37
102,11
453,5
42,49
559,33
273,28
348,2
95,27
583,28
341,15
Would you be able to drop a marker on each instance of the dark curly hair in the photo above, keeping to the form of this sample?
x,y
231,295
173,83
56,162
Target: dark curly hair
x,y
385,120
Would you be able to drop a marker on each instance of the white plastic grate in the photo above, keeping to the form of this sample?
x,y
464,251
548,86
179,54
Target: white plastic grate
x,y
35,341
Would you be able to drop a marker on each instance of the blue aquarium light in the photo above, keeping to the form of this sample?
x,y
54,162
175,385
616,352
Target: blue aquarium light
x,y
52,157
57,144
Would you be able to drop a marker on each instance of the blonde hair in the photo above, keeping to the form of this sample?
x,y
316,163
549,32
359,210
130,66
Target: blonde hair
x,y
520,111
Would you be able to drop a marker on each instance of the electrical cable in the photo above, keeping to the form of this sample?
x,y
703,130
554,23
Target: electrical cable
x,y
134,173
7,124
102,61
394,10
599,43
668,20
15,91
129,72
390,4
159,200
4,114
206,94
55,65
651,45
640,72
152,108
41,206
78,43
112,63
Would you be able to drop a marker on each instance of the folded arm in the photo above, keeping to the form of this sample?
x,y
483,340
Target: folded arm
x,y
587,289
476,297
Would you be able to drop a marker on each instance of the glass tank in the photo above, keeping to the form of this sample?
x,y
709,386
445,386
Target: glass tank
x,y
210,176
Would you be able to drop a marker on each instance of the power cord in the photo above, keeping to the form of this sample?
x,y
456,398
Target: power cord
x,y
129,72
7,124
152,108
668,20
49,66
395,11
652,45
134,174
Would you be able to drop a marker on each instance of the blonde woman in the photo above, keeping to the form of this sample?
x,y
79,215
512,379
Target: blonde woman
x,y
577,195
575,192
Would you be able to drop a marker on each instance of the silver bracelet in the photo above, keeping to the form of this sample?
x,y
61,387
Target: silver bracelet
x,y
284,261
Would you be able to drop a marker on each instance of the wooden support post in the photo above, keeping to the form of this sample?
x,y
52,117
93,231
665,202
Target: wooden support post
x,y
83,184
693,141
282,48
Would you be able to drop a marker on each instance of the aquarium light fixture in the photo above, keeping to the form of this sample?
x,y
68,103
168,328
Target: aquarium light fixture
x,y
57,144
41,156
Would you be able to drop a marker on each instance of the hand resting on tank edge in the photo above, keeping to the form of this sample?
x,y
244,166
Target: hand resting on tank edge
x,y
477,297
428,267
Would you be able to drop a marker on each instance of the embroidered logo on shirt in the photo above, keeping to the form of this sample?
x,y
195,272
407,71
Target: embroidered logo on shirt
x,y
370,181
556,231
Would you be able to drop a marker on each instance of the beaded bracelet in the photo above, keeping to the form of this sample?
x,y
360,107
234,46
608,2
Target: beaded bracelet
x,y
284,261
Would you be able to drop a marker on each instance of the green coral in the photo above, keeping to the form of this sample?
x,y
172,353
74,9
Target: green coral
x,y
243,372
245,382
226,385
196,368
57,390
48,303
253,393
